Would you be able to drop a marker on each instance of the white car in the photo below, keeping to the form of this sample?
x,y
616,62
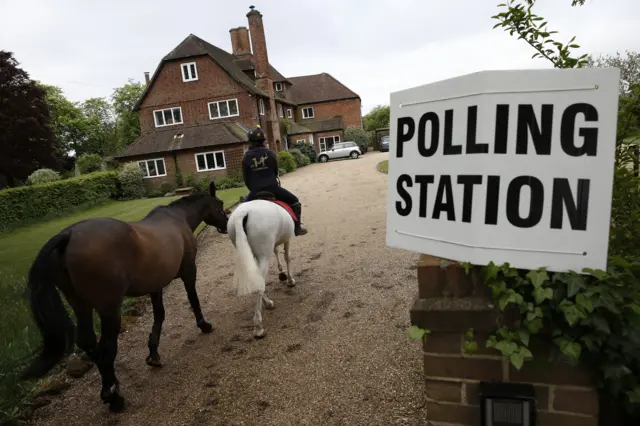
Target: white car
x,y
340,150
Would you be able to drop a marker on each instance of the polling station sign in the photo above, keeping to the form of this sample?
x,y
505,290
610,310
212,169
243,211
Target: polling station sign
x,y
505,166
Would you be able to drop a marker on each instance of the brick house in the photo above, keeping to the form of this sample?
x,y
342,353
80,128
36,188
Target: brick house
x,y
201,100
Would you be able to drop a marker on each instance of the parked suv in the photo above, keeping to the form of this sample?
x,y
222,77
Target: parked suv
x,y
384,144
340,150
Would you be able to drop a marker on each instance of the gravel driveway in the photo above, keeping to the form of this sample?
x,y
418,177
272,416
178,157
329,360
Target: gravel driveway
x,y
336,350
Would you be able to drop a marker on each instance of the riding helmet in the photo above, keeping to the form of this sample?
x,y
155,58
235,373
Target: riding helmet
x,y
256,135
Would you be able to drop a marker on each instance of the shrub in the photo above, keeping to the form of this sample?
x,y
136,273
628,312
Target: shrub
x,y
89,163
43,176
281,172
132,181
298,157
202,184
166,187
156,193
357,135
308,150
234,180
286,161
190,181
38,201
306,161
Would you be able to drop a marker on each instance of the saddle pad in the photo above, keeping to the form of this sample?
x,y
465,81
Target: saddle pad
x,y
287,207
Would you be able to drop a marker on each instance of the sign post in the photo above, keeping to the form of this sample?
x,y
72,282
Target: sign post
x,y
505,166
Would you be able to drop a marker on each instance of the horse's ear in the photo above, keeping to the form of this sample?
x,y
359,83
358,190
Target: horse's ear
x,y
212,188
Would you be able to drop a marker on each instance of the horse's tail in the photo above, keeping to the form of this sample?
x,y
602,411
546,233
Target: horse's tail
x,y
247,278
49,313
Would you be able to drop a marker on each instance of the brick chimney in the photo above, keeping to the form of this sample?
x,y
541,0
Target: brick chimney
x,y
146,77
240,44
259,42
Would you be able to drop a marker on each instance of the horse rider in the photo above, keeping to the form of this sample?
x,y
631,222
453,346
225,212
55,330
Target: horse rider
x,y
260,173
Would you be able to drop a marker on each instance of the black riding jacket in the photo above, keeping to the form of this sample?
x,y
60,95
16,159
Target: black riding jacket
x,y
260,168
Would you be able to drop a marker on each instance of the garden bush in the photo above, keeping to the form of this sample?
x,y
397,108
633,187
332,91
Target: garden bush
x,y
43,176
308,150
28,203
89,163
306,161
299,157
281,172
234,180
132,181
286,161
357,135
166,187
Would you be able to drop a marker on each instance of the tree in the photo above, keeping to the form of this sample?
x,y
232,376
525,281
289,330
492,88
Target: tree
x,y
89,163
629,66
27,142
128,125
100,126
67,121
377,118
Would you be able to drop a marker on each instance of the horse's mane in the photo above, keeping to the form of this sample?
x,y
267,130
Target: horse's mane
x,y
180,202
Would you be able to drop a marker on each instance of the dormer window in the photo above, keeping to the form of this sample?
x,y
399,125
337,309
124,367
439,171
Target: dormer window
x,y
280,111
189,72
279,87
261,106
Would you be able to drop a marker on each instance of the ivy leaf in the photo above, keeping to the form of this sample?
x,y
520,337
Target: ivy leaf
x,y
507,348
524,336
601,324
466,266
541,294
534,326
598,273
537,278
634,395
572,314
469,347
517,359
569,348
417,333
469,333
584,302
490,272
575,283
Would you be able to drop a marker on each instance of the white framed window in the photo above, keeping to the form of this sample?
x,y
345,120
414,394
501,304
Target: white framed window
x,y
279,87
223,109
289,113
301,141
168,116
307,113
261,106
206,161
189,71
327,142
280,111
153,168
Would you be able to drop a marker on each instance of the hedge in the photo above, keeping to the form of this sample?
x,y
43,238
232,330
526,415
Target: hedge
x,y
27,203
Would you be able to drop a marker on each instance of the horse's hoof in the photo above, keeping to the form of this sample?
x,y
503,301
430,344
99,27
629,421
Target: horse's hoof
x,y
259,334
282,276
117,403
270,305
206,327
291,283
154,361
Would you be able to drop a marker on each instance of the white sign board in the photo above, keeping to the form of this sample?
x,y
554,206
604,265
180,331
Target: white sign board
x,y
505,166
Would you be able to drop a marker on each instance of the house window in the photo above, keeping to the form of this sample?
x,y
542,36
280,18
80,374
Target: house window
x,y
307,112
167,117
223,109
261,106
281,110
278,87
327,142
189,71
206,161
153,168
289,113
301,141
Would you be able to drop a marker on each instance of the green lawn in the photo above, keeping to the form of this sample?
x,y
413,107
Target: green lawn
x,y
384,166
18,248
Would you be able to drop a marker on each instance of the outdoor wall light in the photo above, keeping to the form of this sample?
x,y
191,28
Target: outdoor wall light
x,y
507,404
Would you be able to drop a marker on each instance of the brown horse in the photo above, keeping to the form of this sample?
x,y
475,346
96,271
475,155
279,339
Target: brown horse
x,y
97,262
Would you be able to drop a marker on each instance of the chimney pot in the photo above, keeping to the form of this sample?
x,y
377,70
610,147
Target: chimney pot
x,y
259,43
146,77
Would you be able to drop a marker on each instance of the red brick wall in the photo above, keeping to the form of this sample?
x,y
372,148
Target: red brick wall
x,y
187,163
349,109
213,84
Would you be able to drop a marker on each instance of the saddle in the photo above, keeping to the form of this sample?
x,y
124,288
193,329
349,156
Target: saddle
x,y
268,196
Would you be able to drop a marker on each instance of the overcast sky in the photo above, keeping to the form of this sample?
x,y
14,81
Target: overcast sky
x,y
89,47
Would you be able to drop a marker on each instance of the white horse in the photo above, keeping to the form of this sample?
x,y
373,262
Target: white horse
x,y
256,229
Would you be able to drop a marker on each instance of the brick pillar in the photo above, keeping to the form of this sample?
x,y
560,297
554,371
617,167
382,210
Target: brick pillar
x,y
449,303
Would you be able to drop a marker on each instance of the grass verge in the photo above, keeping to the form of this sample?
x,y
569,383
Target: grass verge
x,y
18,335
383,166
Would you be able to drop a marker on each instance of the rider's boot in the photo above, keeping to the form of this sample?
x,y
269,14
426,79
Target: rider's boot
x,y
299,228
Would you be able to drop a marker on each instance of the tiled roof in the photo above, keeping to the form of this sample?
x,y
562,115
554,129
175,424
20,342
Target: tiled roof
x,y
186,138
247,64
315,126
297,129
195,46
319,88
